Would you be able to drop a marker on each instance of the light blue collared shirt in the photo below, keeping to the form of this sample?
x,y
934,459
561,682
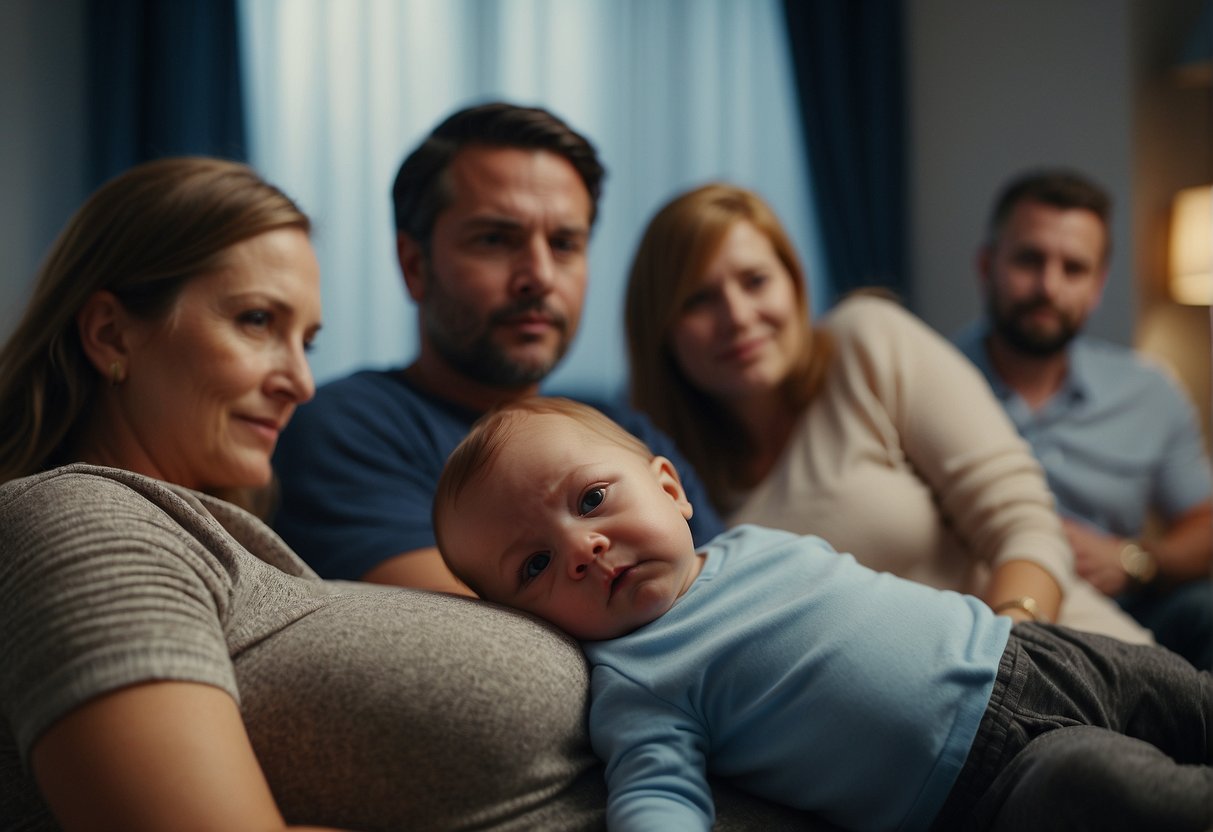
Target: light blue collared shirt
x,y
1117,440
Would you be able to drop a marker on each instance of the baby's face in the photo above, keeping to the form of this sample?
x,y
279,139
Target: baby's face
x,y
569,526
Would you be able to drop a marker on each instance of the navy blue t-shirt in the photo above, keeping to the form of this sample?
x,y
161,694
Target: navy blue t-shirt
x,y
358,466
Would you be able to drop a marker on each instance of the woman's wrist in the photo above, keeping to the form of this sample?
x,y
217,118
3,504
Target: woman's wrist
x,y
1025,605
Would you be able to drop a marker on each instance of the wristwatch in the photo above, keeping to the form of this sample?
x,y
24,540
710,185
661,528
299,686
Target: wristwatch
x,y
1138,564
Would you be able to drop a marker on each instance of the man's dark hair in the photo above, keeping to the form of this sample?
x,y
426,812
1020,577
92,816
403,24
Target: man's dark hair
x,y
421,190
1062,189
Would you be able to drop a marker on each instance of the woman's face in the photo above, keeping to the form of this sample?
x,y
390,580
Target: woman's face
x,y
208,390
739,333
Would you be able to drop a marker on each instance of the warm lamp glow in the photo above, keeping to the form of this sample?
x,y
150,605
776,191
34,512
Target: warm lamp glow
x,y
1191,266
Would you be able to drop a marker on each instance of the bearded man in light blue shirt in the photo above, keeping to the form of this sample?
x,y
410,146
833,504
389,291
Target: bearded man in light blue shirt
x,y
1118,440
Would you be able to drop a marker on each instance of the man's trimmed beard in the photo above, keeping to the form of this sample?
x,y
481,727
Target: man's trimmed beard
x,y
466,342
1022,339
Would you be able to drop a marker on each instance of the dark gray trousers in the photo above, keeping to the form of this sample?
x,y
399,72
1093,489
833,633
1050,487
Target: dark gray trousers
x,y
1086,732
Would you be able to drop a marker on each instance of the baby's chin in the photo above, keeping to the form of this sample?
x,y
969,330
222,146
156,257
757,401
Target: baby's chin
x,y
609,635
622,627
650,601
600,631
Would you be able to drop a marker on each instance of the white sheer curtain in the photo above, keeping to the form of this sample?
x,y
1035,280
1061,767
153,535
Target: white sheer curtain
x,y
672,92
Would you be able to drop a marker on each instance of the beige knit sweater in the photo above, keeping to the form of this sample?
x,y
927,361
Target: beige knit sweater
x,y
906,460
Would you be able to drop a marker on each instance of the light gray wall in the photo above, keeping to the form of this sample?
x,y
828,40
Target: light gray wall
x,y
42,124
998,87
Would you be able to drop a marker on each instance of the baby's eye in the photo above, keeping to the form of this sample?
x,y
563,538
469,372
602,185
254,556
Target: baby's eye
x,y
533,566
591,499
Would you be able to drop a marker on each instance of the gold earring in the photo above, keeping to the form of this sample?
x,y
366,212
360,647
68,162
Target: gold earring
x,y
117,373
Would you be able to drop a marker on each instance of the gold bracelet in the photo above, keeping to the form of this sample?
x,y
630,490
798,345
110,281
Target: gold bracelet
x,y
1138,564
1026,603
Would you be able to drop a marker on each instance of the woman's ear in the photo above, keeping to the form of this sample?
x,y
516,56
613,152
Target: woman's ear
x,y
103,325
667,477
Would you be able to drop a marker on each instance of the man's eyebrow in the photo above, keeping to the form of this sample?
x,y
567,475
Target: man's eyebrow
x,y
504,223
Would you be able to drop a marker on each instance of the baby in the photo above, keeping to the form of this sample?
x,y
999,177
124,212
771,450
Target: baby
x,y
773,660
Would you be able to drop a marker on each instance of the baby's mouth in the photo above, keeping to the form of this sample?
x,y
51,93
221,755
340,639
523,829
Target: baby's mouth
x,y
615,579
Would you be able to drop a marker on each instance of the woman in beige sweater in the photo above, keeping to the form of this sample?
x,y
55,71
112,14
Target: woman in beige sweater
x,y
867,428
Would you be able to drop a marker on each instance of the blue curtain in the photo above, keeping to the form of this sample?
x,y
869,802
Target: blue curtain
x,y
164,79
848,60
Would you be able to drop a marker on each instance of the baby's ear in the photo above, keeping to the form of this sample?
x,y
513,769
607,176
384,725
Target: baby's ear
x,y
667,477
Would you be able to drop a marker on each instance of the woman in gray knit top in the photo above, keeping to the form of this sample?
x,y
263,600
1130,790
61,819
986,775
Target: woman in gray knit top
x,y
167,662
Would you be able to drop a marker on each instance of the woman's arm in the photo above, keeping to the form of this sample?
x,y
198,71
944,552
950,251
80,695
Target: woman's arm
x,y
155,756
986,484
1024,591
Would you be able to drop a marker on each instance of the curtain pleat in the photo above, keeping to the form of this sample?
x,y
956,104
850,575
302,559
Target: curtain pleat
x,y
850,82
164,80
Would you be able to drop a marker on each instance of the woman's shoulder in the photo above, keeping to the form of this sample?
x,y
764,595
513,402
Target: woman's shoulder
x,y
867,319
868,309
77,484
85,502
82,509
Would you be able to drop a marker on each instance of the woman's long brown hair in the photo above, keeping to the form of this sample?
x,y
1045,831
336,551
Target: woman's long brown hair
x,y
141,236
679,242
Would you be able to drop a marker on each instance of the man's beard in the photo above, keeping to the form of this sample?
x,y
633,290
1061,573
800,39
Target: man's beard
x,y
1008,324
466,343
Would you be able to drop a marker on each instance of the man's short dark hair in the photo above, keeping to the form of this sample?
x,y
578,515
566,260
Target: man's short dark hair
x,y
422,190
1064,189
